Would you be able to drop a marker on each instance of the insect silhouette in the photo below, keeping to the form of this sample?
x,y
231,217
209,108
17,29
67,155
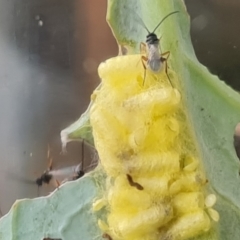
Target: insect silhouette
x,y
67,173
46,177
134,184
154,57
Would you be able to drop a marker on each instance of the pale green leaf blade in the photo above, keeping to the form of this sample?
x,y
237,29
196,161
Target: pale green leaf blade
x,y
65,214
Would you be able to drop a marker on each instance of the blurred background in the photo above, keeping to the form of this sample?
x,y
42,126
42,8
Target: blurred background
x,y
49,53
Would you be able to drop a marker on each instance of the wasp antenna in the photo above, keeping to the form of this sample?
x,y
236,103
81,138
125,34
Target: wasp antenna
x,y
50,164
140,21
48,152
163,20
57,183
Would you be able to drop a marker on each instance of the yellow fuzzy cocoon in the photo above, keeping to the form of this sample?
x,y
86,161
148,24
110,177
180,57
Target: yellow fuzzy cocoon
x,y
155,183
99,204
152,163
188,225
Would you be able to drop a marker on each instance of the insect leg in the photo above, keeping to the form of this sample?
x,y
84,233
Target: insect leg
x,y
57,183
167,55
48,152
164,59
63,181
144,59
143,48
50,164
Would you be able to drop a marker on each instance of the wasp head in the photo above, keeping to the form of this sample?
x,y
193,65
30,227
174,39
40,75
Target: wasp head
x,y
152,39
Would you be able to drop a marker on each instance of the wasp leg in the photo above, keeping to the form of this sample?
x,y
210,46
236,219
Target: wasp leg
x,y
50,165
122,50
57,183
143,48
144,59
48,151
164,59
63,181
167,54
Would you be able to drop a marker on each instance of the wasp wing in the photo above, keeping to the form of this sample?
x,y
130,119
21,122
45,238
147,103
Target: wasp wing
x,y
66,172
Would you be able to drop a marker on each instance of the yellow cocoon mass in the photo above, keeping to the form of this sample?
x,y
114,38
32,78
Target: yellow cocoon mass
x,y
156,184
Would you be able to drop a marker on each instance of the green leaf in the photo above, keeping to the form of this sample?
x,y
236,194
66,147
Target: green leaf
x,y
64,214
212,107
79,130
